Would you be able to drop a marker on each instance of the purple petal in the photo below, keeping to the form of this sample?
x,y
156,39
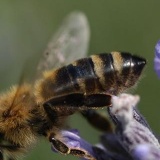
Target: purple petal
x,y
157,59
146,152
76,144
132,131
157,49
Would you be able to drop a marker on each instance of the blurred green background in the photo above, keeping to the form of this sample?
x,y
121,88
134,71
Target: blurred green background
x,y
134,26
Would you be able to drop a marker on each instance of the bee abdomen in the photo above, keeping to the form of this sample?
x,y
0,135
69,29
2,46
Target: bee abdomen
x,y
118,71
78,77
83,76
107,72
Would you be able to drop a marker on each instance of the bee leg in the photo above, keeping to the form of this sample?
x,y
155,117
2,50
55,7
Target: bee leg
x,y
95,101
58,145
79,101
68,104
97,120
61,146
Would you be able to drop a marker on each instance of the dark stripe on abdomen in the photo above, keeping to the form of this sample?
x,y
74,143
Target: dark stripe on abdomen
x,y
63,83
108,72
126,69
82,75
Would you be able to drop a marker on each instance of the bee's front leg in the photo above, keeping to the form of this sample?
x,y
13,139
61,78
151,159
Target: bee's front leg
x,y
58,145
71,143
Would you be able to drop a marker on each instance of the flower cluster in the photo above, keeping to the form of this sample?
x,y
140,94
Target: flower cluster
x,y
132,138
157,59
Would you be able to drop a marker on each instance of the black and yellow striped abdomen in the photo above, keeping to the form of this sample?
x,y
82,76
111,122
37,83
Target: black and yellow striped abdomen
x,y
107,72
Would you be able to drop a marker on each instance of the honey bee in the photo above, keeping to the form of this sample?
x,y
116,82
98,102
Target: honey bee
x,y
28,111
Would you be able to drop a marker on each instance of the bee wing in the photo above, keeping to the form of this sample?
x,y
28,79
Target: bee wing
x,y
70,42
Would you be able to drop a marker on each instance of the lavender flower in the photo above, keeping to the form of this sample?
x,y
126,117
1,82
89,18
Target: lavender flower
x,y
131,140
75,145
132,132
157,59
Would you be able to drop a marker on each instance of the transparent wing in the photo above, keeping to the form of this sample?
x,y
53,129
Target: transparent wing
x,y
70,42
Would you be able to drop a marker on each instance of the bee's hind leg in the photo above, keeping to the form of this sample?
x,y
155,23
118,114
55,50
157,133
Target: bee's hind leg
x,y
79,101
86,104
